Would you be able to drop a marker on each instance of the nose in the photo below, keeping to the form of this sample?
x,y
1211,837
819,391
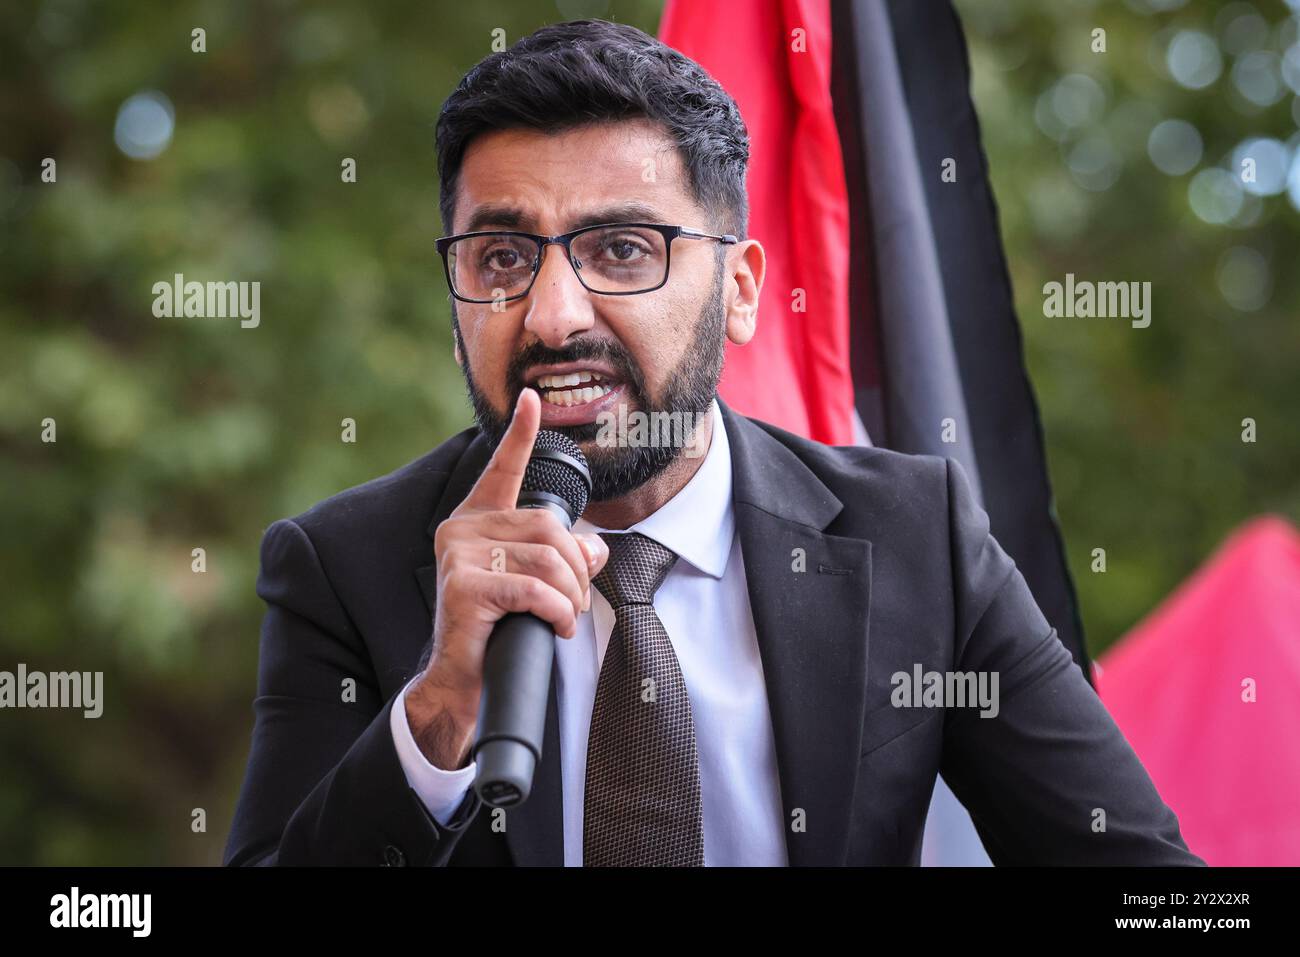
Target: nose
x,y
558,304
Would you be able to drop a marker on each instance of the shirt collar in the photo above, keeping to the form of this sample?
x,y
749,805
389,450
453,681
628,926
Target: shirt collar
x,y
697,523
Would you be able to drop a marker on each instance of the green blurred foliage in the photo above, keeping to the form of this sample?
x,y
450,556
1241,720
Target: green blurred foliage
x,y
175,434
1144,426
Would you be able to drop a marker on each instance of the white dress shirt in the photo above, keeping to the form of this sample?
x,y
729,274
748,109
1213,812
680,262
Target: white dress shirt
x,y
704,607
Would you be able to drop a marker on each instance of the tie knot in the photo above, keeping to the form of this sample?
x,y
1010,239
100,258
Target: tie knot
x,y
636,568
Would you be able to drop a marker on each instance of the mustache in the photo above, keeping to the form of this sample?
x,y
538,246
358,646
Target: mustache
x,y
602,350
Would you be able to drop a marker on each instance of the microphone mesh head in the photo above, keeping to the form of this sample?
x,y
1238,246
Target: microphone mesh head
x,y
557,477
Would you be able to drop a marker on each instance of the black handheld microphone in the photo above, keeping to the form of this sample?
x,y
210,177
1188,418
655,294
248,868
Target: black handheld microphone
x,y
517,662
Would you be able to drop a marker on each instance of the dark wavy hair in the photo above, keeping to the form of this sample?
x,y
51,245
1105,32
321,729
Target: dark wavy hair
x,y
590,71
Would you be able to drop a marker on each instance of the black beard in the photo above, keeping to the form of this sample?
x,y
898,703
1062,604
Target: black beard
x,y
690,389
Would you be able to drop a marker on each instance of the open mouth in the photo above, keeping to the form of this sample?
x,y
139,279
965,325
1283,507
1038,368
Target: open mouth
x,y
573,388
577,397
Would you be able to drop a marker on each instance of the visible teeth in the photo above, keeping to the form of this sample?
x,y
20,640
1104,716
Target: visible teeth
x,y
574,396
568,379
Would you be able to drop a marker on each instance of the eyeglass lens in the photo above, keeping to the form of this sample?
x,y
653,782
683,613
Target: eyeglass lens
x,y
616,259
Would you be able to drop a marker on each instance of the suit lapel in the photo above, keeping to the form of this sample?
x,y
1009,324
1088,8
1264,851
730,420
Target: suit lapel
x,y
534,829
809,594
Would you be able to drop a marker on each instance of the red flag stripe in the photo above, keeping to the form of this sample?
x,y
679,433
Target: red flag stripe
x,y
774,58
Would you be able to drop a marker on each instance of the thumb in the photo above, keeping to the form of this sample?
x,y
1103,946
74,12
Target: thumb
x,y
595,550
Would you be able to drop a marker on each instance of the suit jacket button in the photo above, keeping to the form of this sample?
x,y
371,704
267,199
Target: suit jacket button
x,y
393,856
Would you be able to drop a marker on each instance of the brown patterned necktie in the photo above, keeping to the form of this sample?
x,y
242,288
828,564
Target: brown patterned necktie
x,y
641,803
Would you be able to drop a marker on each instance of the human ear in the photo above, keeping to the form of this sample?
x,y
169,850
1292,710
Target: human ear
x,y
747,262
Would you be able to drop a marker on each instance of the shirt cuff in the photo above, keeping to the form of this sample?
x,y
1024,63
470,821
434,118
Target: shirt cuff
x,y
441,791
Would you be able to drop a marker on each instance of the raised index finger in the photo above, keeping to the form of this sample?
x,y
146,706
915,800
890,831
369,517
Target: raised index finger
x,y
498,486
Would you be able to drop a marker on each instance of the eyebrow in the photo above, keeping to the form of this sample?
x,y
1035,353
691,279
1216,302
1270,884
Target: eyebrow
x,y
490,216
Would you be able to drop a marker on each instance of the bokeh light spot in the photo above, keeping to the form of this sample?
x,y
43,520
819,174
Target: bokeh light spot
x,y
144,126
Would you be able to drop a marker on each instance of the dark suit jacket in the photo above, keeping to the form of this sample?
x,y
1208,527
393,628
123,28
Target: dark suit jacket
x,y
900,570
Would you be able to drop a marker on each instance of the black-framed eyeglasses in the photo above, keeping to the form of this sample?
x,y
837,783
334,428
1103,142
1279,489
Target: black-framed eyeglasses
x,y
612,259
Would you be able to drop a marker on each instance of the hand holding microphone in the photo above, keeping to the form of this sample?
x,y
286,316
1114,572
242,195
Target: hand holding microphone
x,y
498,561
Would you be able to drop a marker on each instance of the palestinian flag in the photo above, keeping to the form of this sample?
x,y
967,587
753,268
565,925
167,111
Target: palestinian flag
x,y
887,310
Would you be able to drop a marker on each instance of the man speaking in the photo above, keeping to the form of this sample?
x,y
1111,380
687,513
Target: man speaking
x,y
768,647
